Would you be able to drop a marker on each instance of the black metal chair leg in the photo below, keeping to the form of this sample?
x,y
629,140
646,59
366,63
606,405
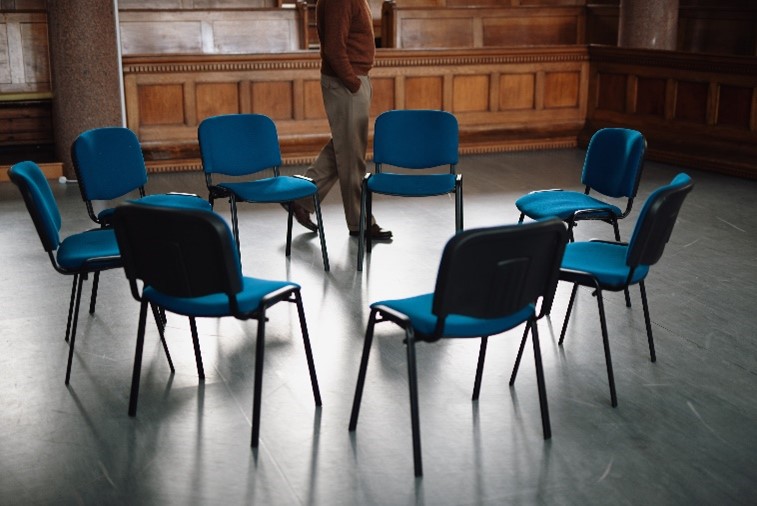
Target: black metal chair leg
x,y
71,304
414,410
480,367
516,366
258,388
74,322
93,298
196,344
134,396
308,349
606,343
159,321
288,250
321,235
647,321
368,219
235,225
545,425
363,368
617,238
567,313
459,206
363,227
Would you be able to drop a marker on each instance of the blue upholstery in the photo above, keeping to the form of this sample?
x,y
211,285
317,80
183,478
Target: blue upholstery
x,y
414,140
78,254
109,166
217,304
238,145
424,321
612,169
185,261
614,266
490,280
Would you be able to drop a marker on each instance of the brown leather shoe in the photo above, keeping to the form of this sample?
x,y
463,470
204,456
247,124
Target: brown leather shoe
x,y
301,215
375,232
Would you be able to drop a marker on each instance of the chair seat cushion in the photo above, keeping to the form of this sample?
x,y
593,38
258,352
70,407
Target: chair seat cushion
x,y
176,200
272,189
408,185
560,203
604,261
217,304
418,309
77,250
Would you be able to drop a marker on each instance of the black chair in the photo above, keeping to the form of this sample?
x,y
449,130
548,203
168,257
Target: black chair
x,y
186,262
78,254
490,280
614,266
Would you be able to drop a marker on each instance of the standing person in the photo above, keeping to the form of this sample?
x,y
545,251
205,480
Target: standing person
x,y
345,32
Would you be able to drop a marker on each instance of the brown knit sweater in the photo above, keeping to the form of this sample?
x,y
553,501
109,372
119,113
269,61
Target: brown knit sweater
x,y
345,31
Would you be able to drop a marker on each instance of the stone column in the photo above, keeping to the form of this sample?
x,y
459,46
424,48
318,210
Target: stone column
x,y
85,70
650,24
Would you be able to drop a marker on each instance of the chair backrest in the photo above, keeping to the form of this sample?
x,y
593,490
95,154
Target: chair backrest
x,y
416,139
179,252
238,144
656,221
614,161
108,162
40,202
494,272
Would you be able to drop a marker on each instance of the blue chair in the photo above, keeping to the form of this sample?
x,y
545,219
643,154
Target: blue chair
x,y
614,266
411,139
239,145
109,166
186,262
612,170
78,255
490,280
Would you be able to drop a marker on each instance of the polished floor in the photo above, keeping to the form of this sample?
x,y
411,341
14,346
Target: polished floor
x,y
684,431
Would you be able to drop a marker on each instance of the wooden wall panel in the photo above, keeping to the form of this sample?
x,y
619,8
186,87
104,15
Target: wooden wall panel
x,y
695,110
24,63
229,31
691,101
561,89
517,91
409,27
650,96
213,99
735,106
124,5
517,99
470,93
160,104
424,92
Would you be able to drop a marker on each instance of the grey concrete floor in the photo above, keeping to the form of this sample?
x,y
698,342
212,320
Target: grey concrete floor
x,y
684,431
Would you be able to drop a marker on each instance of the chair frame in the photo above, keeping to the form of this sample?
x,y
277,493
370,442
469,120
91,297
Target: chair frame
x,y
443,305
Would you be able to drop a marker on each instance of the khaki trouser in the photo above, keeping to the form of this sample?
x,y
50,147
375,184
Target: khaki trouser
x,y
343,157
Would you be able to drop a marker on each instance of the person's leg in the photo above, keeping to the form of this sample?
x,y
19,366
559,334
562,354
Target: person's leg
x,y
348,118
323,173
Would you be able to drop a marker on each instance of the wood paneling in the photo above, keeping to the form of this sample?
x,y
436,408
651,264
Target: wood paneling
x,y
514,99
24,64
409,27
227,31
695,110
